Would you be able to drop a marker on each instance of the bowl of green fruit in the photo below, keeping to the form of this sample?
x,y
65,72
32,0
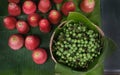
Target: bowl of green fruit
x,y
78,44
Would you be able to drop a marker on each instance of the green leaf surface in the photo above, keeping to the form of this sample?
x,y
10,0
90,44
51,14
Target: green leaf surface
x,y
110,47
79,17
62,70
20,62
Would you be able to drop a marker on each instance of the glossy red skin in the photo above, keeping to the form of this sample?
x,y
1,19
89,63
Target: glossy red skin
x,y
29,7
14,1
32,42
57,1
39,56
87,6
63,9
22,27
54,16
14,9
33,19
44,6
68,7
9,22
16,41
44,26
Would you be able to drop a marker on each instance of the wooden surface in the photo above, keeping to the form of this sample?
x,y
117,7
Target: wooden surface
x,y
110,10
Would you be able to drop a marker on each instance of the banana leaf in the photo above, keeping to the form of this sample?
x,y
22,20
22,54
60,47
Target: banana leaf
x,y
20,62
96,68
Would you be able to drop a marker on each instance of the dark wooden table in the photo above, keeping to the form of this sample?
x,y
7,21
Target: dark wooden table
x,y
110,10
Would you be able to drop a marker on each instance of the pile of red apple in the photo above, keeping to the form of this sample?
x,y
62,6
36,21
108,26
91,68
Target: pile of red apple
x,y
31,9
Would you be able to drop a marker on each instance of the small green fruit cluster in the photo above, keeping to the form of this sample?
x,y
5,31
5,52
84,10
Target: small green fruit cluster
x,y
77,45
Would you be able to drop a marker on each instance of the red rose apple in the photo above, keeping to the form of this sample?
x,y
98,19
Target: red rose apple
x,y
14,9
9,22
14,1
39,56
33,19
68,7
15,41
44,26
29,7
54,16
44,6
22,27
32,42
87,6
